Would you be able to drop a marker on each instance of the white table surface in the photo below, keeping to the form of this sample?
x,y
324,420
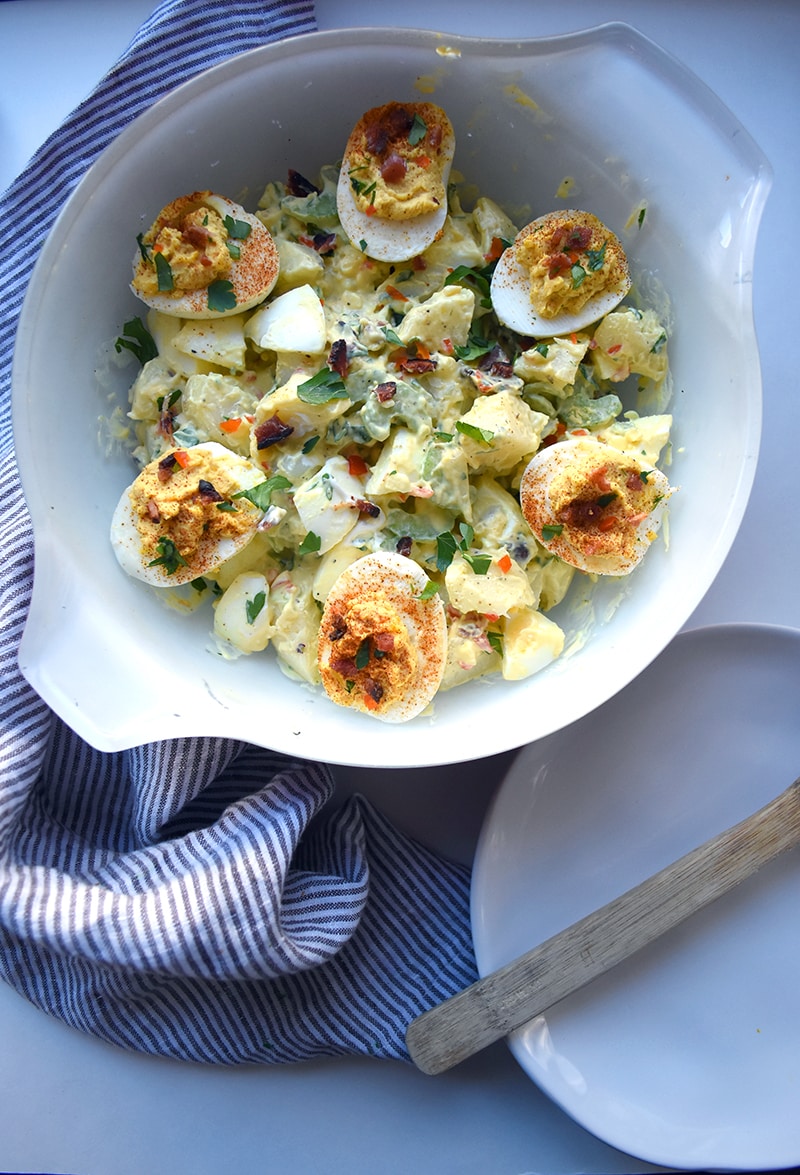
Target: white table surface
x,y
70,1104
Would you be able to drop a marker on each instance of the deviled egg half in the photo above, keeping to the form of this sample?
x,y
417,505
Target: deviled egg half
x,y
562,272
392,189
593,506
204,256
382,638
184,515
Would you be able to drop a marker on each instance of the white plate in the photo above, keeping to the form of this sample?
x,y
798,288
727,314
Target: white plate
x,y
687,1055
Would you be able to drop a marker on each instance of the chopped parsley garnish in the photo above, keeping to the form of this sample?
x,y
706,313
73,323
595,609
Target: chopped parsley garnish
x,y
199,584
226,507
495,639
163,273
238,229
443,436
578,274
362,244
255,606
477,280
311,443
221,296
143,248
641,216
543,349
483,435
233,249
261,494
326,385
596,257
606,499
476,346
429,591
659,344
311,543
480,564
392,337
551,532
419,129
172,400
362,654
447,545
136,338
169,556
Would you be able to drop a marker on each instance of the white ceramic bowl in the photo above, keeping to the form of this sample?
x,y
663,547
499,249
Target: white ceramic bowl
x,y
605,107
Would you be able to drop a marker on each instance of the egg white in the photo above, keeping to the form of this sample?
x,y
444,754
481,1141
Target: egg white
x,y
252,275
580,457
399,582
510,291
127,542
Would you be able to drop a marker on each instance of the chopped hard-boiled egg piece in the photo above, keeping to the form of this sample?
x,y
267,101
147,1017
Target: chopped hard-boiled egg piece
x,y
242,613
219,341
562,272
292,322
593,506
392,190
383,638
330,502
204,257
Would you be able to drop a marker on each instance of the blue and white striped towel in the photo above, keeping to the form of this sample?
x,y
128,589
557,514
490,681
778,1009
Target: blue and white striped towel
x,y
190,898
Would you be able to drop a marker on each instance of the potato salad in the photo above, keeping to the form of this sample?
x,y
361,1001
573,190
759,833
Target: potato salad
x,y
378,432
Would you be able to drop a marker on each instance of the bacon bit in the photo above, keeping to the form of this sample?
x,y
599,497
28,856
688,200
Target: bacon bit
x,y
196,235
346,666
418,263
403,545
338,629
393,168
166,467
396,294
385,391
615,349
505,564
393,122
496,250
634,482
599,478
417,366
557,264
368,508
435,136
271,432
298,185
153,512
337,358
383,642
372,691
322,243
422,492
166,425
571,238
414,359
637,519
356,465
607,522
553,437
231,424
496,362
207,492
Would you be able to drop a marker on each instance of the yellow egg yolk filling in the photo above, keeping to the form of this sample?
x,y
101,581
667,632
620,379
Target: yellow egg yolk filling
x,y
569,262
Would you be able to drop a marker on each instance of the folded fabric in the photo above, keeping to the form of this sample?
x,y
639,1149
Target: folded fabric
x,y
200,899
